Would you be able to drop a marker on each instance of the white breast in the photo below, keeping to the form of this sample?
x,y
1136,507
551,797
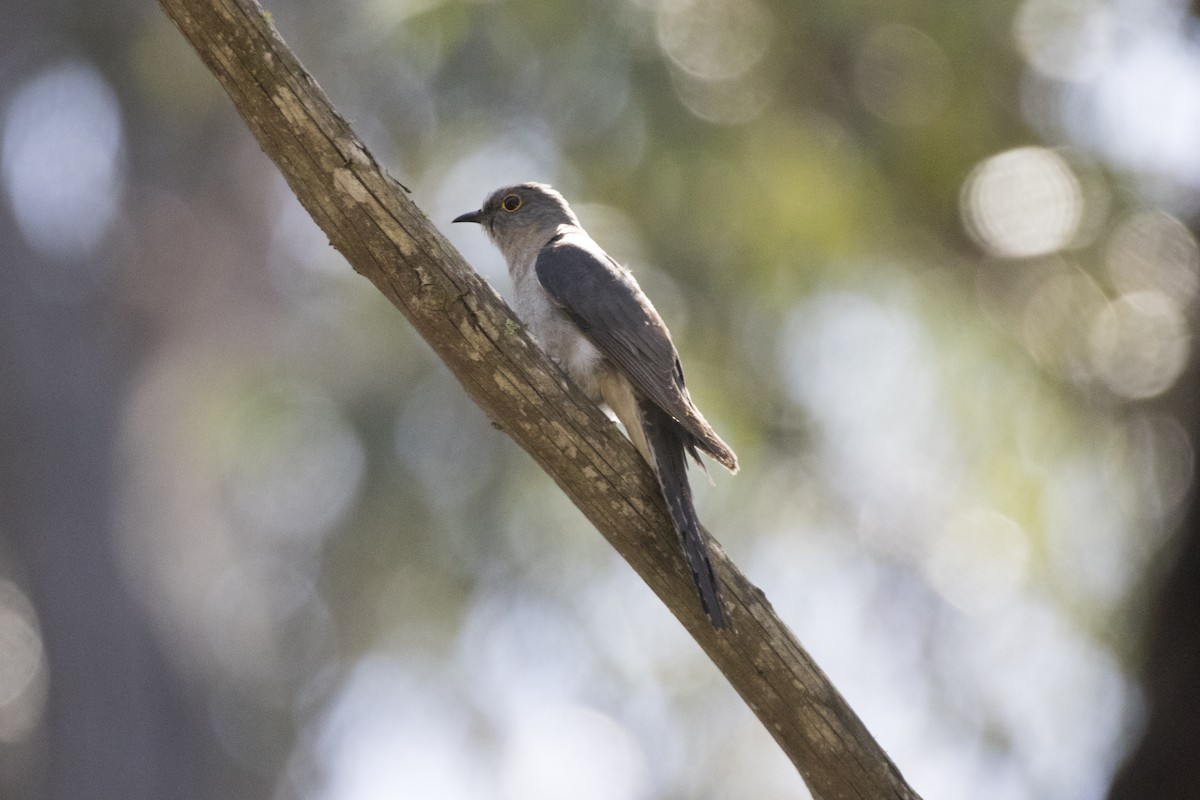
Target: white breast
x,y
557,334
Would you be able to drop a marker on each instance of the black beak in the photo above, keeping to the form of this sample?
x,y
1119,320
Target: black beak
x,y
470,216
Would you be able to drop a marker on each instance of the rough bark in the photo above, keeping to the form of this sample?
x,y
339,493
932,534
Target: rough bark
x,y
388,240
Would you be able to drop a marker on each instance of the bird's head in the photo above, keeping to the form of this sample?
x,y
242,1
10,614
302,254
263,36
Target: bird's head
x,y
522,217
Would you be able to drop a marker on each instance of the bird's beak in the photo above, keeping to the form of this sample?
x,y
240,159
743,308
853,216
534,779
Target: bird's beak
x,y
470,216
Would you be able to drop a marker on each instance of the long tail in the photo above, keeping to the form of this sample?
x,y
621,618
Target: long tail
x,y
668,441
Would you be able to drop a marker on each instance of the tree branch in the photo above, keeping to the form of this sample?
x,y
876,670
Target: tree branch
x,y
387,239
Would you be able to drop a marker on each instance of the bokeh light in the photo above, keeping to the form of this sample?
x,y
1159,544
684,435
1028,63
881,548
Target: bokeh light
x,y
981,562
293,465
1068,40
1022,203
1140,344
722,101
1149,109
1154,251
714,47
714,39
62,162
861,368
1142,110
22,670
574,750
1062,296
389,734
1059,686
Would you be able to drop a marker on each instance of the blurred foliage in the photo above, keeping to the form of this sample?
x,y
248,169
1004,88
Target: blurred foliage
x,y
927,273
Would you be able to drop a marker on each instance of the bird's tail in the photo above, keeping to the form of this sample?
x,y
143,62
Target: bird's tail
x,y
668,440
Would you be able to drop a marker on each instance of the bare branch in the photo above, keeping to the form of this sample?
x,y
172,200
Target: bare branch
x,y
387,239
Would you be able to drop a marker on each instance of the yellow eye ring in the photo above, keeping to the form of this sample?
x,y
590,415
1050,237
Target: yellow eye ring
x,y
510,202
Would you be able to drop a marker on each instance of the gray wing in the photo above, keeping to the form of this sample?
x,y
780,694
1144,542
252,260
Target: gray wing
x,y
604,300
612,311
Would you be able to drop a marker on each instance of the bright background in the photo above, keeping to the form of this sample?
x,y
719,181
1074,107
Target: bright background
x,y
931,268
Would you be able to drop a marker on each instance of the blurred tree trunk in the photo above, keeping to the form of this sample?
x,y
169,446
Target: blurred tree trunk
x,y
116,723
1165,765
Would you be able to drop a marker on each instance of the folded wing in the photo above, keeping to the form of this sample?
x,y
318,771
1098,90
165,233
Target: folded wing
x,y
605,301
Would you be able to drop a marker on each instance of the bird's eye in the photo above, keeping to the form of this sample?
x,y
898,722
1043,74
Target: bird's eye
x,y
510,202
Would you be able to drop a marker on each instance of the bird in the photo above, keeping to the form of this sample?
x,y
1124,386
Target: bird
x,y
588,313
